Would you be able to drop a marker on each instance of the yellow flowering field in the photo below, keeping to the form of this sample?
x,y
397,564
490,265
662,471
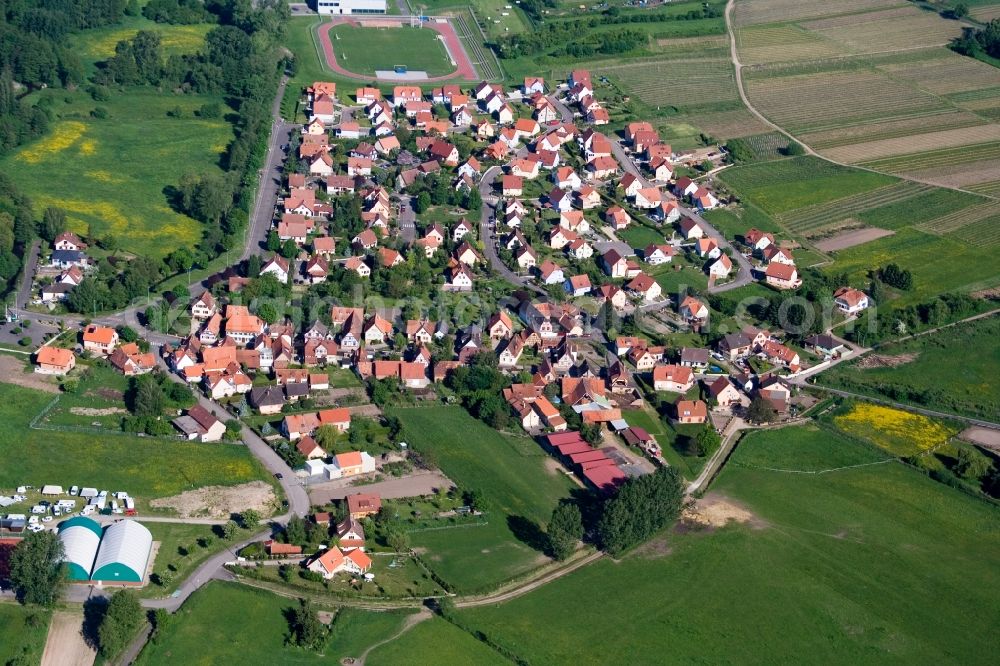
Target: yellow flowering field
x,y
175,39
62,137
898,432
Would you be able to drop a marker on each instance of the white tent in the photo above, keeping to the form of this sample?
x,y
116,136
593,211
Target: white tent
x,y
52,490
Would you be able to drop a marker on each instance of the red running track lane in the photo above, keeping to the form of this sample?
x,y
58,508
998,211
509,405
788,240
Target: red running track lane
x,y
446,30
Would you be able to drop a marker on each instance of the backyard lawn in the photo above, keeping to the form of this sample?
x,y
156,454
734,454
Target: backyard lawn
x,y
366,50
511,472
146,468
864,565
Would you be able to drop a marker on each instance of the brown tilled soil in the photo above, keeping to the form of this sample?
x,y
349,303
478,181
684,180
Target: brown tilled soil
x,y
220,501
851,238
12,372
93,411
65,645
715,510
885,361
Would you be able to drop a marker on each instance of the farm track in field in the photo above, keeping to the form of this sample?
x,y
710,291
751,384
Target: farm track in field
x,y
744,98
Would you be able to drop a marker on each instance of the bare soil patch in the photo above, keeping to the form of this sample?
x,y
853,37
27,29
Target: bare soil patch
x,y
715,510
985,437
886,361
12,372
987,294
852,238
220,501
110,394
65,645
94,411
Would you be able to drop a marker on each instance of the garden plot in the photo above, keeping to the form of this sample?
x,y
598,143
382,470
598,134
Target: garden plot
x,y
748,12
824,100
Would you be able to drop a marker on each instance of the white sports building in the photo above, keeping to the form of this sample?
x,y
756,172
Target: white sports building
x,y
337,7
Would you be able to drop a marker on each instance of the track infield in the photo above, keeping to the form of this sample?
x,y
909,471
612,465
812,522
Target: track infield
x,y
452,44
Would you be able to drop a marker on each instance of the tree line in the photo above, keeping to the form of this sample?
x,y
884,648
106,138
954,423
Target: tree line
x,y
547,36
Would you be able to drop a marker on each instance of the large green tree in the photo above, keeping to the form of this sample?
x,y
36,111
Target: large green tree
x,y
565,530
120,622
642,506
37,572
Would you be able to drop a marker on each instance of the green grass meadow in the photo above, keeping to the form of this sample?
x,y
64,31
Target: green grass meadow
x,y
229,623
435,641
964,361
509,470
109,174
874,564
145,467
22,633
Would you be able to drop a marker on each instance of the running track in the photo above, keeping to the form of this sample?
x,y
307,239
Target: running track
x,y
446,30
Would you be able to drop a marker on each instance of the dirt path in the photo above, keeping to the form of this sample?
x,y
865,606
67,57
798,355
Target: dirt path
x,y
12,372
65,645
411,621
500,597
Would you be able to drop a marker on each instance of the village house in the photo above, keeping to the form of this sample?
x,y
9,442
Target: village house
x,y
850,301
692,309
54,360
725,394
675,378
690,229
691,411
782,276
276,266
333,561
200,424
655,255
99,339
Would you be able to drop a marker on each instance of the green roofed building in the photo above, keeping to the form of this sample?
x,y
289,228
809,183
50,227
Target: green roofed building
x,y
81,538
118,554
124,553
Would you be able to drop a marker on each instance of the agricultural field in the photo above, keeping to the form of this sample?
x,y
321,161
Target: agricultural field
x,y
120,165
860,561
364,50
517,478
785,185
885,30
819,219
968,386
782,43
897,432
22,632
146,468
435,641
692,85
861,83
804,102
751,12
971,165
